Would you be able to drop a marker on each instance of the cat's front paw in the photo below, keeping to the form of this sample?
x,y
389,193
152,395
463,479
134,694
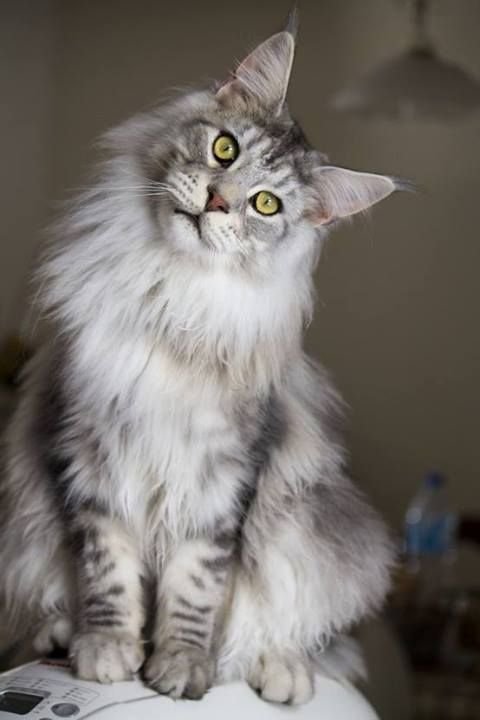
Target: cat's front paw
x,y
180,672
105,657
282,680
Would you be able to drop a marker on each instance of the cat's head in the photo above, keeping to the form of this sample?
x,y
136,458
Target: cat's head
x,y
231,175
205,225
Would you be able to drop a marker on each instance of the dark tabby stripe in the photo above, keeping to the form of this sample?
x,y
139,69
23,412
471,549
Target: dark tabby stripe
x,y
187,617
105,570
219,562
193,632
106,622
115,589
188,641
103,614
197,581
96,556
202,609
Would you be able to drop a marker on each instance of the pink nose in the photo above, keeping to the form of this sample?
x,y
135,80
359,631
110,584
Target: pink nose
x,y
216,202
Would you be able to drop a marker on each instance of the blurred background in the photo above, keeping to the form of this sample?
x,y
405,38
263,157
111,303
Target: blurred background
x,y
398,294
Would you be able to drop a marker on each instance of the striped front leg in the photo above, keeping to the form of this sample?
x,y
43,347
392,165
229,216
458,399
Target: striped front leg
x,y
109,618
191,600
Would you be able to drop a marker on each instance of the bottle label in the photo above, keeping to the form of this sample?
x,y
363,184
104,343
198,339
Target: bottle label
x,y
430,536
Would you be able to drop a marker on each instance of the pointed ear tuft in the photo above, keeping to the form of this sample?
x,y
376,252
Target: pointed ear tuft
x,y
291,26
340,193
264,74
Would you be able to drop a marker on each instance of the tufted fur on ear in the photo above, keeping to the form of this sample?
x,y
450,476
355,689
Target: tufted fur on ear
x,y
339,193
264,74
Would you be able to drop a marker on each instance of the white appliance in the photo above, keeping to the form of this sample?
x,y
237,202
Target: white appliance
x,y
47,690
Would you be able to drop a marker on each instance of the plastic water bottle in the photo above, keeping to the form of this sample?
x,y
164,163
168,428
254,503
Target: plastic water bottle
x,y
429,536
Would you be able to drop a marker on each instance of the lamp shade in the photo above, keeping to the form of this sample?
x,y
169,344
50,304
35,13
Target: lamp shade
x,y
417,84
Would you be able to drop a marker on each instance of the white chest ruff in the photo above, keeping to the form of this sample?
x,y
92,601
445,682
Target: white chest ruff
x,y
182,465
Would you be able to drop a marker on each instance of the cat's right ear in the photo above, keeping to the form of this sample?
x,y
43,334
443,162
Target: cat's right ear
x,y
263,76
339,193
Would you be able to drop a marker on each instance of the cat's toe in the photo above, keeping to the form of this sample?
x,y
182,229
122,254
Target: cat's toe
x,y
106,657
180,673
282,681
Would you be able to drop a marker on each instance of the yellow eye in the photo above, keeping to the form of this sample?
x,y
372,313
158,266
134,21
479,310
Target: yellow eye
x,y
266,203
225,149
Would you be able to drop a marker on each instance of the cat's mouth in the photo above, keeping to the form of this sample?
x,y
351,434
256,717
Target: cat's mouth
x,y
194,219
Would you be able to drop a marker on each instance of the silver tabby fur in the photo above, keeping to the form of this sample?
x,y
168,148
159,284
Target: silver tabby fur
x,y
173,440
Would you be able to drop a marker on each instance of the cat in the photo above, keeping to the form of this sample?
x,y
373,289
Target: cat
x,y
173,440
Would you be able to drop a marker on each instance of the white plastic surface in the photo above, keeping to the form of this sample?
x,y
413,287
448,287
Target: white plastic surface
x,y
134,701
236,701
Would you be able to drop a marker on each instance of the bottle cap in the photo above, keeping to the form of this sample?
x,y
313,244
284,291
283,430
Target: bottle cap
x,y
434,480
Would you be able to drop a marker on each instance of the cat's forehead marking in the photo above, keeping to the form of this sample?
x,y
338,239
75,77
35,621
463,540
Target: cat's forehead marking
x,y
277,144
285,142
261,146
271,152
249,136
286,177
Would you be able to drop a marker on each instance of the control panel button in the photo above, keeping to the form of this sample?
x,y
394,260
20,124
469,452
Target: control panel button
x,y
65,709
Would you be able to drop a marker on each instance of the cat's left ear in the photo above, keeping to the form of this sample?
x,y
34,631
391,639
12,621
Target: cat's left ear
x,y
264,74
339,193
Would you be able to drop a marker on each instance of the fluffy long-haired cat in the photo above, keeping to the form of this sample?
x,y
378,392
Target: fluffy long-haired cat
x,y
173,439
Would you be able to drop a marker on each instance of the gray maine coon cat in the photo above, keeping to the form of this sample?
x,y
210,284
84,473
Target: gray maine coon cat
x,y
173,439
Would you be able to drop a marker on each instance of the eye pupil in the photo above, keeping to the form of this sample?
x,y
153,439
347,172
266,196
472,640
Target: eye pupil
x,y
225,149
266,203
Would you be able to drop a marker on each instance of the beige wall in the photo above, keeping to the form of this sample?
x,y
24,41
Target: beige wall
x,y
397,318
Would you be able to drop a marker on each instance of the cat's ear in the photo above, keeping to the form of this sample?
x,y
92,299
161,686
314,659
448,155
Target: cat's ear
x,y
339,193
264,74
